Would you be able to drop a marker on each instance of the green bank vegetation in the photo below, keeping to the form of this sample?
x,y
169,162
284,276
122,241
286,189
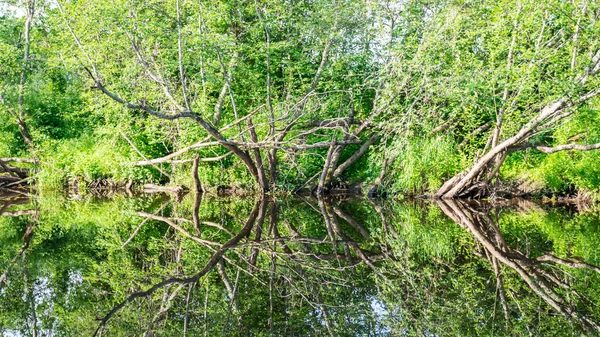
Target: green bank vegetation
x,y
449,98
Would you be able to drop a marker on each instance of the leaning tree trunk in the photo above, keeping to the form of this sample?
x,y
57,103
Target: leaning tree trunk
x,y
333,169
458,184
465,182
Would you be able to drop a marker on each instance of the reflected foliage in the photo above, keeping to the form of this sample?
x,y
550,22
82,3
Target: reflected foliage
x,y
153,266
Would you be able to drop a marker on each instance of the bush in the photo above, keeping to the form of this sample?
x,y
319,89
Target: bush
x,y
423,165
89,157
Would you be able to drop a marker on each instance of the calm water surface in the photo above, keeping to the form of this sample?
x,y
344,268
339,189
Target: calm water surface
x,y
154,266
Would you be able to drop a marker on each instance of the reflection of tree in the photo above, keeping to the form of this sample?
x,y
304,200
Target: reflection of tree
x,y
11,198
278,257
8,199
290,267
538,274
26,240
258,212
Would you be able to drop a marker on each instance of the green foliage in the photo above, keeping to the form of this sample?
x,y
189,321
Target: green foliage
x,y
465,63
11,145
427,74
423,165
87,158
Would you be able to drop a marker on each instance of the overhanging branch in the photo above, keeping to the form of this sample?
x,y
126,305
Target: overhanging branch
x,y
549,150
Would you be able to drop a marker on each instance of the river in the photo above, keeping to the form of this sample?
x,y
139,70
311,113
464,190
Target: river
x,y
155,265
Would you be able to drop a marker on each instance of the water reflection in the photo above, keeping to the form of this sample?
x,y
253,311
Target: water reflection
x,y
540,274
295,267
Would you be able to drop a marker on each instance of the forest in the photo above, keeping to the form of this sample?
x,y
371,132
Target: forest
x,y
439,98
299,168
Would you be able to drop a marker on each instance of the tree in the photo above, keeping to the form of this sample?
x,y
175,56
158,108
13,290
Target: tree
x,y
15,72
256,79
498,77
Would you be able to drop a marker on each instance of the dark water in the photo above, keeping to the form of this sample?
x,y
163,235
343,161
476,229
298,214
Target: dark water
x,y
152,266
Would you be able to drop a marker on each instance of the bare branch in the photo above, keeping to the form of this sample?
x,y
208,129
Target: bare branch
x,y
365,146
548,149
223,93
20,213
325,173
565,147
168,157
142,155
155,77
568,263
19,160
180,58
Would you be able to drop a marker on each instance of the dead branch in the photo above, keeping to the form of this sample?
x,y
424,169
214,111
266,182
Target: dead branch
x,y
167,160
152,188
262,179
20,213
334,123
203,143
566,147
19,160
568,263
326,172
142,155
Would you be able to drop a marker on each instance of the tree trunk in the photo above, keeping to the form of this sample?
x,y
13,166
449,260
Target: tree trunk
x,y
456,185
261,177
549,116
356,156
324,182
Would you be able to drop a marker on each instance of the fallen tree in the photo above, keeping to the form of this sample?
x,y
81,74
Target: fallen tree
x,y
478,176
